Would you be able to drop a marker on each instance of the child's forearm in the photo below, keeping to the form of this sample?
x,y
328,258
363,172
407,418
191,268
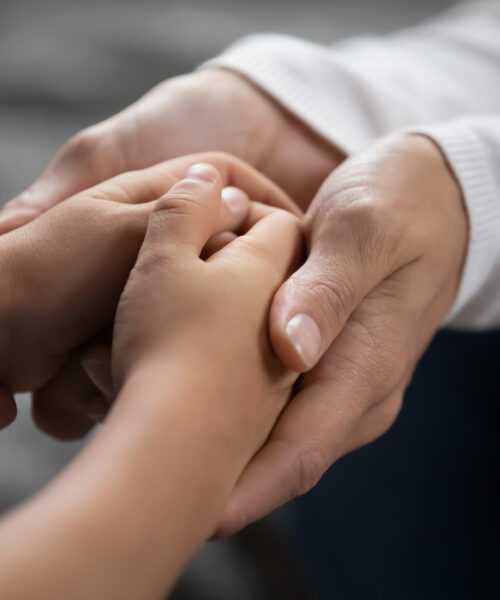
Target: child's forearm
x,y
124,518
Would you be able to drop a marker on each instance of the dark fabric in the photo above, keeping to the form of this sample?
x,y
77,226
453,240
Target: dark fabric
x,y
414,515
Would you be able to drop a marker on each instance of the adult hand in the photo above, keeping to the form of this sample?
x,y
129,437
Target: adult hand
x,y
62,275
387,236
209,110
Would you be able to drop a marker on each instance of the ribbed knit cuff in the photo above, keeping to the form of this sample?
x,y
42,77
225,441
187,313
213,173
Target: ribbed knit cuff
x,y
468,157
281,65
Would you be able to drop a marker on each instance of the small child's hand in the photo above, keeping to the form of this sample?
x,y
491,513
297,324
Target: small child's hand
x,y
62,276
199,389
205,321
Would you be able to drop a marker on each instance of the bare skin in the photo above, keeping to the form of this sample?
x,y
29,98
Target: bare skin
x,y
63,273
373,294
127,514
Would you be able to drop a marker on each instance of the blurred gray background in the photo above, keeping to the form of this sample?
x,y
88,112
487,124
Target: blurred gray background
x,y
65,65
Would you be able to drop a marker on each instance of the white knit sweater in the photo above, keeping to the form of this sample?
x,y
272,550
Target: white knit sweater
x,y
441,78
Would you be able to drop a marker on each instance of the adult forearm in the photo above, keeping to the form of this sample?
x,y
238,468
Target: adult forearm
x,y
357,90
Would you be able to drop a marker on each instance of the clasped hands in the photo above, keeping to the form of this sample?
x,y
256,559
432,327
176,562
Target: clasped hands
x,y
386,237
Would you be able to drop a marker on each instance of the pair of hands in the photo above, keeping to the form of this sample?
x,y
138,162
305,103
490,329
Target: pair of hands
x,y
63,273
387,236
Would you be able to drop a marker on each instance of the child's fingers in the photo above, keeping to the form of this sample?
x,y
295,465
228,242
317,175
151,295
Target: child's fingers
x,y
255,211
216,243
233,209
273,236
185,217
233,172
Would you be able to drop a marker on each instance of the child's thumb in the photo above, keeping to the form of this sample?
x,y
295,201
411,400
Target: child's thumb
x,y
187,215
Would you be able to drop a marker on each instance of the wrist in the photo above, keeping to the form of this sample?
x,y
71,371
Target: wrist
x,y
448,209
151,487
443,179
178,386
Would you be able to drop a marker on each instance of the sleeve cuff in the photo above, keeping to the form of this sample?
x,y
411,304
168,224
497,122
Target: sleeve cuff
x,y
281,65
468,157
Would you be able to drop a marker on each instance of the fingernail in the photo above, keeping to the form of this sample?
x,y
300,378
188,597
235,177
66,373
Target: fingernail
x,y
202,172
99,373
236,199
304,335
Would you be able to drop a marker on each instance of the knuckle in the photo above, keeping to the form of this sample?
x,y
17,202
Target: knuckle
x,y
83,145
390,412
235,521
222,156
23,201
218,159
334,296
363,221
375,422
288,227
182,199
391,362
386,414
379,362
287,220
153,261
130,222
310,465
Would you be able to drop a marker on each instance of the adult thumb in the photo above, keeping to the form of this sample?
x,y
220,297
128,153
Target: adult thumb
x,y
311,308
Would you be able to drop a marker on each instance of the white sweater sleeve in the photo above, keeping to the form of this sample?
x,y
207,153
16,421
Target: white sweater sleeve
x,y
472,147
362,88
355,91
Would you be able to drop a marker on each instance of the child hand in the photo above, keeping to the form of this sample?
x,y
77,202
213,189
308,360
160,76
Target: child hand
x,y
62,276
199,389
206,321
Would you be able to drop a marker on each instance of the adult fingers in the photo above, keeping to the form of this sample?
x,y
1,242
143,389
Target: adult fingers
x,y
352,249
375,422
233,172
85,394
367,364
57,184
147,185
65,407
91,156
281,470
96,362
